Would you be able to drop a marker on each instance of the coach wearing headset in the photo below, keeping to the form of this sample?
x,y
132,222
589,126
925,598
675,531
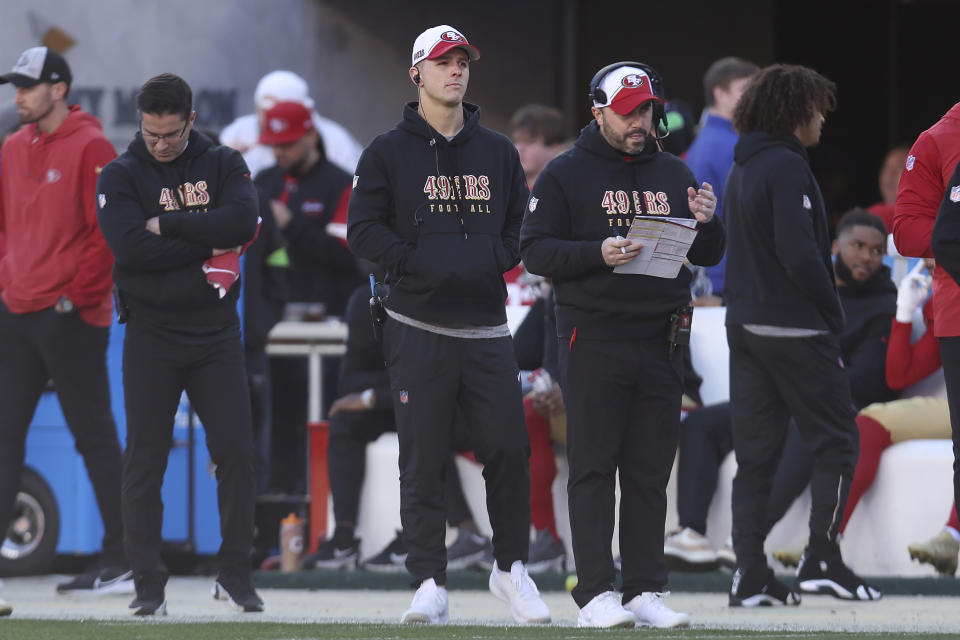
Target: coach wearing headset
x,y
621,365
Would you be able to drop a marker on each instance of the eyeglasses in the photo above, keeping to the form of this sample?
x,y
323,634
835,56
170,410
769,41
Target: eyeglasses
x,y
154,138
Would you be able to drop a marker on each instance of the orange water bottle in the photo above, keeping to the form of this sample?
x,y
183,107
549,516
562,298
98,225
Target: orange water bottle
x,y
291,542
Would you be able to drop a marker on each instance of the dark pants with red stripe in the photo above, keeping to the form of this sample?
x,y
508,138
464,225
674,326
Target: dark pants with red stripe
x,y
45,345
433,377
623,415
772,379
158,366
950,356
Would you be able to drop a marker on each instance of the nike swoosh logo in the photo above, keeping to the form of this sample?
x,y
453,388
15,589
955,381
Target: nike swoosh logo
x,y
398,558
339,554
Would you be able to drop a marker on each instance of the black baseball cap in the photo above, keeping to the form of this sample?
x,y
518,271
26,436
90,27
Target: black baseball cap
x,y
36,65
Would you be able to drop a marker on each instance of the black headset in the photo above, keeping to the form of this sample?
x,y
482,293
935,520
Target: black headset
x,y
656,85
416,79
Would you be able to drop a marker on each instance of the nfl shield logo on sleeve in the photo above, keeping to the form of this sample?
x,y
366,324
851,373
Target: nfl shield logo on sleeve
x,y
955,194
806,202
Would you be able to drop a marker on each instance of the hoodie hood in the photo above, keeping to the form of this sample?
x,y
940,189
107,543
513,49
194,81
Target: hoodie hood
x,y
414,123
753,142
592,141
196,145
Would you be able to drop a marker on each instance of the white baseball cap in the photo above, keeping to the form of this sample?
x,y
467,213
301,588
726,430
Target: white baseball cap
x,y
625,88
281,86
436,41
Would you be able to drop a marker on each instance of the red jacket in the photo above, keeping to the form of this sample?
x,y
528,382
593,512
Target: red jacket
x,y
929,167
50,244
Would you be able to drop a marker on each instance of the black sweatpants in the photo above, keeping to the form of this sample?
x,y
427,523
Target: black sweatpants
x,y
157,367
706,437
623,414
950,356
432,377
350,433
43,345
772,379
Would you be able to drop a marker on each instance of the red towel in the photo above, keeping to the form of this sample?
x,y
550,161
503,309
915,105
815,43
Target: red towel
x,y
223,270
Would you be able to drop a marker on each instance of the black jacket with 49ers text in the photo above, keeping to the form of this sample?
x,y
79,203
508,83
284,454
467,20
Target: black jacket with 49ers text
x,y
205,200
591,193
442,217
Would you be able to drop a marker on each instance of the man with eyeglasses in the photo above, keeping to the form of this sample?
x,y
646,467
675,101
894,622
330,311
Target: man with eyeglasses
x,y
55,287
176,210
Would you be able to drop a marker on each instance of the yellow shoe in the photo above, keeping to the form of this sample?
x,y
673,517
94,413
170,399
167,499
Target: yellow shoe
x,y
788,557
940,551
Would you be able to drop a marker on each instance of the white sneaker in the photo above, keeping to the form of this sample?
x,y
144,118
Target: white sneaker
x,y
689,547
649,611
605,612
5,608
519,591
430,605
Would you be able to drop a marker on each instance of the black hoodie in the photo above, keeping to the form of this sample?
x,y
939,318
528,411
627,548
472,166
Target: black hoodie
x,y
442,217
593,192
779,269
205,200
869,308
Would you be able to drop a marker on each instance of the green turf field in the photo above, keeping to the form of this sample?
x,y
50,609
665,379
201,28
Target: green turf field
x,y
12,629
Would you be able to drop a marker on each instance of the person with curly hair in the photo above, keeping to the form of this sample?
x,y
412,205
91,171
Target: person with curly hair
x,y
783,319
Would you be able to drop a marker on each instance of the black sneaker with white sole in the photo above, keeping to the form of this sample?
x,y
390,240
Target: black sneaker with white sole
x,y
100,580
151,599
393,558
829,575
334,554
467,549
236,588
760,588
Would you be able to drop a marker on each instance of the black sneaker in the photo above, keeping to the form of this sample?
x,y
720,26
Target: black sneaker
x,y
467,549
150,599
236,588
760,589
334,554
392,559
546,553
829,575
100,580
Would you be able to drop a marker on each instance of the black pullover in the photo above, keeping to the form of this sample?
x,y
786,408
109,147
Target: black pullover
x,y
590,193
205,200
779,268
442,217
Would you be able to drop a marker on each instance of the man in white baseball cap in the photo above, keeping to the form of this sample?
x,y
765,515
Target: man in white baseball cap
x,y
437,202
338,145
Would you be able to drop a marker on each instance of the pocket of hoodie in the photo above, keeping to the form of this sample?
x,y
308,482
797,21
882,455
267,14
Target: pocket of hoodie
x,y
449,265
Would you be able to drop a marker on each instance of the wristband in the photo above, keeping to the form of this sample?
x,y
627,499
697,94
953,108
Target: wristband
x,y
367,398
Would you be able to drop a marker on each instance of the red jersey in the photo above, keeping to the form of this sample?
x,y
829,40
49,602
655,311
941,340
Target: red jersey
x,y
50,244
926,173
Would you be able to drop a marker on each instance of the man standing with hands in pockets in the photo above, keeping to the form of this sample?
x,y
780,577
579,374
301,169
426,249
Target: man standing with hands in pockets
x,y
437,202
620,356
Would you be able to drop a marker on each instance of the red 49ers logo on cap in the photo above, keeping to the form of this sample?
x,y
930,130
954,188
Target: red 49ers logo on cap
x,y
451,36
632,81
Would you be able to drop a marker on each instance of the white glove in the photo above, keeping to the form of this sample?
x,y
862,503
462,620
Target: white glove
x,y
911,293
